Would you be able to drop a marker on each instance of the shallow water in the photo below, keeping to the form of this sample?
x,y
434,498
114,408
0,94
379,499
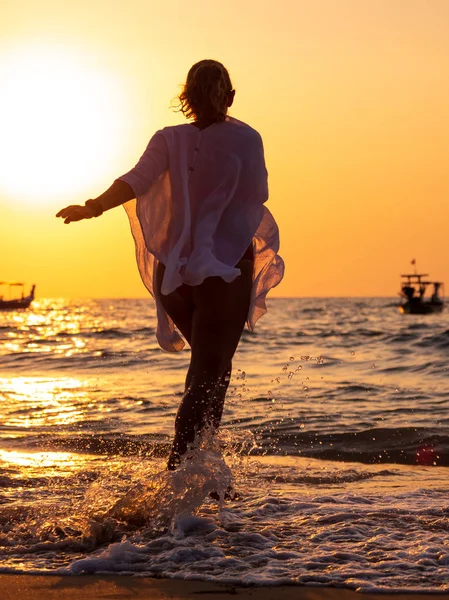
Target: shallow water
x,y
335,435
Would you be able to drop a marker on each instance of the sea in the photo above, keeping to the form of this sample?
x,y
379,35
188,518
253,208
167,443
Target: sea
x,y
334,443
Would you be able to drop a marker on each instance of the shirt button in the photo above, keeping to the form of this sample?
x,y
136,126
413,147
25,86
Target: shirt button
x,y
190,168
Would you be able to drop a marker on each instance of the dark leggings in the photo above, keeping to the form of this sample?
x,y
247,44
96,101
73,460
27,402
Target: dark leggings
x,y
211,317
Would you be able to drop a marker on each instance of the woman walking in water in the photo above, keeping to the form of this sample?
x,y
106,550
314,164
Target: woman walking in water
x,y
206,246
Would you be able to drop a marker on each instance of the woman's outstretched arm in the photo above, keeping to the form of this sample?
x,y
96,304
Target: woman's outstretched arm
x,y
119,193
152,163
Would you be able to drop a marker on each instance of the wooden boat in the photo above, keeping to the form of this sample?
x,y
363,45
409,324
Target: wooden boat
x,y
16,303
413,293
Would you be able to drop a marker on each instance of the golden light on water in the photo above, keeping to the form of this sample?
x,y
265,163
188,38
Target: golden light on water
x,y
40,402
60,122
38,459
51,326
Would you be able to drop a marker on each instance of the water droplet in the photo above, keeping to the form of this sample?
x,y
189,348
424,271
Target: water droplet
x,y
291,359
290,375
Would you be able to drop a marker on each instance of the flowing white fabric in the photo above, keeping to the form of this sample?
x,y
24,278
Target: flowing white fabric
x,y
199,204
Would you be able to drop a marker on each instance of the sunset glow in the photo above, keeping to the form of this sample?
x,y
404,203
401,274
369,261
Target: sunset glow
x,y
60,122
350,98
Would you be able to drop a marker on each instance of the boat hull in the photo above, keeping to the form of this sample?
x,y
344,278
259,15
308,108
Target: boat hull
x,y
421,308
17,304
14,305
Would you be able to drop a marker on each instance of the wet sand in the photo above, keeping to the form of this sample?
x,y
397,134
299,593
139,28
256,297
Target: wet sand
x,y
85,587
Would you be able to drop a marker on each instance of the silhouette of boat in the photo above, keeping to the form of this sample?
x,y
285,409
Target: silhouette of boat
x,y
413,293
16,303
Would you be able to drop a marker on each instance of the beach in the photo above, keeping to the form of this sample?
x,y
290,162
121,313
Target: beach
x,y
30,587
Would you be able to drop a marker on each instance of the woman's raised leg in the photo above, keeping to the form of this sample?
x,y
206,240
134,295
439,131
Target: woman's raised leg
x,y
220,310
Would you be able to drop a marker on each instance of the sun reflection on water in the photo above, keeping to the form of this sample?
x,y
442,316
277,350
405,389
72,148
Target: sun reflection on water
x,y
42,401
65,460
51,326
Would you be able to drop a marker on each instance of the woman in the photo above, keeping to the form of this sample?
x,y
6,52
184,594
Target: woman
x,y
206,245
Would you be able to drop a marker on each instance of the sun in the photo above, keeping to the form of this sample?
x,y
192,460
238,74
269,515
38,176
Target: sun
x,y
60,122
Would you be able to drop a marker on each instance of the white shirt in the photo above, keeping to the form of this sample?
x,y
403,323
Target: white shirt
x,y
199,204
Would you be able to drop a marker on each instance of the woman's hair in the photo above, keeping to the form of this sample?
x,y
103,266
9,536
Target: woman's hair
x,y
206,91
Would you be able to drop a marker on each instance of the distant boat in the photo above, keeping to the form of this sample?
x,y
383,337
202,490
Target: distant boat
x,y
16,303
413,293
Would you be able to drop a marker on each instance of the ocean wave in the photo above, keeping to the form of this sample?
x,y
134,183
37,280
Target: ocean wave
x,y
404,445
112,444
98,358
337,477
35,335
403,338
440,341
307,524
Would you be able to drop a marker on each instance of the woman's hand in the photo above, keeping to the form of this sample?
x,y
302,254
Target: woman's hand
x,y
75,212
119,193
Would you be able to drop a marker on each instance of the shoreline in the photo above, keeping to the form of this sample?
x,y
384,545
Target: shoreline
x,y
85,587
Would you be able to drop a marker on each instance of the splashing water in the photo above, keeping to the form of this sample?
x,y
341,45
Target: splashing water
x,y
113,505
167,495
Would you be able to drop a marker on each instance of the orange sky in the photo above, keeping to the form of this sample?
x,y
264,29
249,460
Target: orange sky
x,y
351,98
